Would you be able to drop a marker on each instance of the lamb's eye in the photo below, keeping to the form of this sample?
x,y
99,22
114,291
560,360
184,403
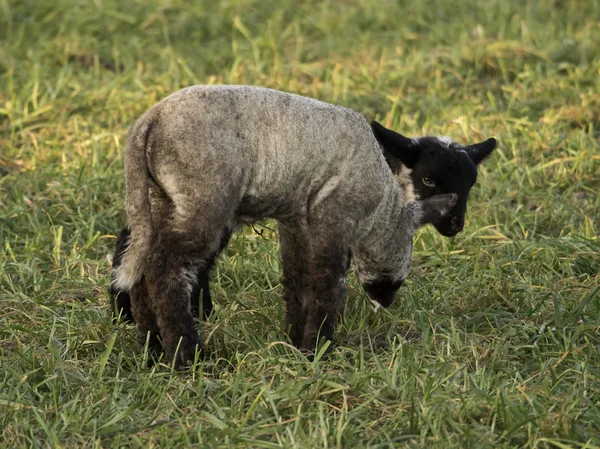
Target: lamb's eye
x,y
428,181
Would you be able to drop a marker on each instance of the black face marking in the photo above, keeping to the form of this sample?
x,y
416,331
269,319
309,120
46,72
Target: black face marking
x,y
438,166
452,171
383,291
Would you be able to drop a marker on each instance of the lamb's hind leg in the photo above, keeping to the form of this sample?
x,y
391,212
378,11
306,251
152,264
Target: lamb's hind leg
x,y
120,301
171,274
201,292
144,316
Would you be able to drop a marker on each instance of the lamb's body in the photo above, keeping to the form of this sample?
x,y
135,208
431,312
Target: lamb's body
x,y
271,154
208,159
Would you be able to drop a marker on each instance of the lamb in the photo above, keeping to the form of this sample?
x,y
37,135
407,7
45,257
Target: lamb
x,y
207,160
423,166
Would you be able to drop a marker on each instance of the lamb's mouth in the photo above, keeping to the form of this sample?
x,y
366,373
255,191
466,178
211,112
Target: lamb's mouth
x,y
383,291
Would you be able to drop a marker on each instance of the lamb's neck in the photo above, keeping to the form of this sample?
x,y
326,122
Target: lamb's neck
x,y
383,223
381,250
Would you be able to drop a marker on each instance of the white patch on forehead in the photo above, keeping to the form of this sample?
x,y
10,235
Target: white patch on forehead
x,y
444,140
405,181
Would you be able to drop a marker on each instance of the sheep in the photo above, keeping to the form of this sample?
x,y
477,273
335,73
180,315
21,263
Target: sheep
x,y
209,159
423,166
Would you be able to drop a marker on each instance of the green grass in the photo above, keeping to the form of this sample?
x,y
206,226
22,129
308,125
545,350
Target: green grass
x,y
492,343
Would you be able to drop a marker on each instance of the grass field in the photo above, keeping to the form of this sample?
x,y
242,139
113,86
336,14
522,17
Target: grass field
x,y
494,340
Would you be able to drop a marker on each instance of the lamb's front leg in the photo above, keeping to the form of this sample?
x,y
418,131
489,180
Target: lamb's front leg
x,y
293,260
327,277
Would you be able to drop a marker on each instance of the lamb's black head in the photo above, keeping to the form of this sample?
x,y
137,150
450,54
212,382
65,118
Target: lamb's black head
x,y
427,166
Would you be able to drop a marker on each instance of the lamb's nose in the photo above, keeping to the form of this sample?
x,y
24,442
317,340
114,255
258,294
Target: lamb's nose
x,y
457,224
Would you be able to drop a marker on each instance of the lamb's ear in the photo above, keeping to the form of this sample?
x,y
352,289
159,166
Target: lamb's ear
x,y
396,145
479,151
432,209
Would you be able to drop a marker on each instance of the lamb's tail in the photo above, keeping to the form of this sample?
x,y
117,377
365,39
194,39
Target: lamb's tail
x,y
137,205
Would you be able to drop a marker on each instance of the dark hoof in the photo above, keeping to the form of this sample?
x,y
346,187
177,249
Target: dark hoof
x,y
186,354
